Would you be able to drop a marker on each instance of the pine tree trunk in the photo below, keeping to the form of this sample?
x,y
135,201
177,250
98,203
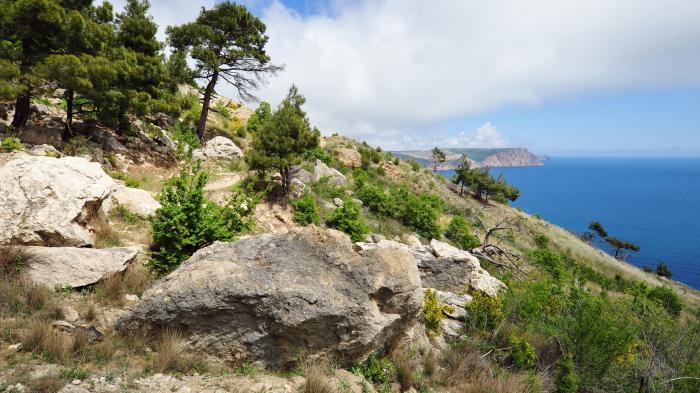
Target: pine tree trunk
x,y
123,124
68,130
461,191
208,92
22,106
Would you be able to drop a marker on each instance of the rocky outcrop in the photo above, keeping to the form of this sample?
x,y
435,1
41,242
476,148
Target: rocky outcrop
x,y
50,201
219,147
512,157
75,267
334,176
134,200
349,157
275,298
498,157
444,267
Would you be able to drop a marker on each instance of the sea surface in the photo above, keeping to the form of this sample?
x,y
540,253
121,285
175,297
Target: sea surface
x,y
653,202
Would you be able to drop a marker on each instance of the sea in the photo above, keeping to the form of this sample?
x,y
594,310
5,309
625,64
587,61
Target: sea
x,y
651,201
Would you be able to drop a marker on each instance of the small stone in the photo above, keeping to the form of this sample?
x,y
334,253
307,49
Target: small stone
x,y
76,382
338,202
69,313
15,347
129,297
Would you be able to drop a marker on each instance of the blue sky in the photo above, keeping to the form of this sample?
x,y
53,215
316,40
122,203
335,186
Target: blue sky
x,y
565,77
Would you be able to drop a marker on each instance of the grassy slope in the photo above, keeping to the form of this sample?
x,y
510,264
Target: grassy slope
x,y
528,227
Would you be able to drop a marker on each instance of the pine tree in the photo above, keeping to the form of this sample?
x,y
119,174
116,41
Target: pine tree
x,y
283,138
226,42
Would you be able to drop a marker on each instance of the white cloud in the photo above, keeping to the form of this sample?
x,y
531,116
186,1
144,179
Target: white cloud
x,y
394,72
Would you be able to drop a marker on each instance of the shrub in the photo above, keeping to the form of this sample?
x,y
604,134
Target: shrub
x,y
169,353
376,370
187,222
377,200
549,261
347,219
662,270
522,352
541,241
566,379
419,211
306,210
432,312
317,153
668,299
326,190
484,313
414,165
459,232
10,144
185,136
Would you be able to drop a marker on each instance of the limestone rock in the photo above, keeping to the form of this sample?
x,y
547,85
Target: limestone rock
x,y
69,313
44,150
421,254
301,174
50,201
445,251
135,200
298,188
323,170
75,267
349,157
221,147
271,297
37,135
411,240
338,202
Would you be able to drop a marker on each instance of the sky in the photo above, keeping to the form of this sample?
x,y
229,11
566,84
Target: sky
x,y
559,77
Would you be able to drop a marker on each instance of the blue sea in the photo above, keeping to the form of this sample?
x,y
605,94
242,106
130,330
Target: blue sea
x,y
653,202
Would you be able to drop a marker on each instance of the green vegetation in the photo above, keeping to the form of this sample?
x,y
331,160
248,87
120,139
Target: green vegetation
x,y
484,313
10,144
282,140
226,42
187,222
306,210
459,232
432,312
376,370
566,380
620,247
522,352
662,270
347,218
262,114
482,184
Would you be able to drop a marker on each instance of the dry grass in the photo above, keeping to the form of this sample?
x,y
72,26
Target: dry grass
x,y
42,339
467,372
430,363
137,279
90,313
105,236
170,353
405,369
110,291
46,384
317,380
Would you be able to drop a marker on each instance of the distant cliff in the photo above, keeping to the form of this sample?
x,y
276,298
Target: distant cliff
x,y
503,157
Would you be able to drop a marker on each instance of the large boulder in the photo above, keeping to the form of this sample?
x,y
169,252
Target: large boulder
x,y
46,201
334,176
349,157
38,135
221,147
75,267
134,200
274,298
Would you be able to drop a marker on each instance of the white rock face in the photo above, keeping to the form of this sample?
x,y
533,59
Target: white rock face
x,y
75,267
221,147
137,201
45,150
50,201
446,251
323,170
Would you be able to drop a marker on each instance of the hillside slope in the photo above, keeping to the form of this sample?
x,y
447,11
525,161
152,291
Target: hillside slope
x,y
501,157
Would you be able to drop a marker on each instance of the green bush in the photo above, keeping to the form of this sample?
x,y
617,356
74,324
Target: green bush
x,y
566,379
10,144
374,197
414,165
347,218
419,211
186,138
549,261
187,222
668,299
459,232
484,313
541,241
432,312
522,352
306,210
317,153
376,370
326,190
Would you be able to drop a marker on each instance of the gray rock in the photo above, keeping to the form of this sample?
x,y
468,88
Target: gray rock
x,y
44,150
50,201
36,135
333,175
75,267
271,298
221,147
134,200
14,347
301,174
298,188
69,313
443,250
338,202
377,237
422,255
411,240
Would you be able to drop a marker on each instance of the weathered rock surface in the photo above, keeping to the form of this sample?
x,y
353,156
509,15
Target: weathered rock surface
x,y
444,267
37,135
221,147
349,157
135,200
75,267
44,150
271,298
50,201
323,170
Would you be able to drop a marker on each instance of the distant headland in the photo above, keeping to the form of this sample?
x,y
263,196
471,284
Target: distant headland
x,y
479,157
